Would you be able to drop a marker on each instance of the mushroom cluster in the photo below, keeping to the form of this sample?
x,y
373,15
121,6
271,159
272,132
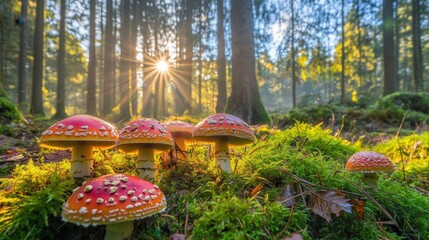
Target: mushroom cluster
x,y
223,129
114,200
144,136
370,164
81,133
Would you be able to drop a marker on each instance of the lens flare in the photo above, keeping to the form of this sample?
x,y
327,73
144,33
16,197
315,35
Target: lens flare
x,y
162,66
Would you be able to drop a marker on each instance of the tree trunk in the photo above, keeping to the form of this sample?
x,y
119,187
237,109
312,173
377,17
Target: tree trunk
x,y
109,55
292,45
133,63
91,100
188,57
221,65
36,107
388,49
417,48
343,57
61,67
124,78
22,69
245,101
200,57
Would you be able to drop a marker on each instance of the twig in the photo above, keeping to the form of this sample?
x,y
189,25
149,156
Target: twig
x,y
401,125
374,201
287,223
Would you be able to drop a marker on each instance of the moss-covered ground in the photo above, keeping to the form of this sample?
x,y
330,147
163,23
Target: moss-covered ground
x,y
292,180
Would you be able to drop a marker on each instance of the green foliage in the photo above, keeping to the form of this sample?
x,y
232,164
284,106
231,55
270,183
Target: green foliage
x,y
31,201
228,217
9,116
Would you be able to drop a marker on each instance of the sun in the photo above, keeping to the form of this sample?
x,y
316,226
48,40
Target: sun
x,y
162,66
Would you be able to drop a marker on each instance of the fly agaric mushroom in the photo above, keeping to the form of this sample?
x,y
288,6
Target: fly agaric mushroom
x,y
143,136
114,200
181,132
81,133
370,164
223,129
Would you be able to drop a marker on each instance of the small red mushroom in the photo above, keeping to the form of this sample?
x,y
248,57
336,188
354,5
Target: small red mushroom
x,y
370,164
223,129
181,132
113,200
143,136
81,133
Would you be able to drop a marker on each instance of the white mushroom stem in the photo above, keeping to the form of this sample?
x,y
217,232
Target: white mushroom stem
x,y
81,161
222,158
119,231
371,180
146,163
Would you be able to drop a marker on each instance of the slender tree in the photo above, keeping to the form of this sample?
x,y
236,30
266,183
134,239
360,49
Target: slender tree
x,y
245,101
36,106
22,64
292,46
61,65
417,48
91,106
109,57
343,57
133,61
390,82
188,56
221,63
124,67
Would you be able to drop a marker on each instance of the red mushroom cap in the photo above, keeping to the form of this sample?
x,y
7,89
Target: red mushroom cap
x,y
225,126
369,162
112,199
179,129
144,131
79,128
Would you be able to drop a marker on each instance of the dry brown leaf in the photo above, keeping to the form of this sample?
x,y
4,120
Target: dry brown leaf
x,y
256,190
326,203
293,236
288,195
358,206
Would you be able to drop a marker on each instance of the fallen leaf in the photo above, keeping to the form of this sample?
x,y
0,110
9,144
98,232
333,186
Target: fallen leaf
x,y
293,236
326,203
288,195
358,205
256,190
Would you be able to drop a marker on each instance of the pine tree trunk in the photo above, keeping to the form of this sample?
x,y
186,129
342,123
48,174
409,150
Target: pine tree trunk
x,y
109,55
61,72
36,107
133,63
245,101
124,78
22,70
417,48
221,65
292,45
188,57
343,57
388,49
91,100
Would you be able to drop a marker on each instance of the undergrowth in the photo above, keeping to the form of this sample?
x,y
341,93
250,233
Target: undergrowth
x,y
267,196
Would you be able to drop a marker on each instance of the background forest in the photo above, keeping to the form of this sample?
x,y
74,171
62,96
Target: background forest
x,y
68,57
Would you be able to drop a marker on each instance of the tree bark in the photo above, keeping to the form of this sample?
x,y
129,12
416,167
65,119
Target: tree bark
x,y
91,106
124,87
188,57
389,70
221,64
36,107
417,48
343,57
22,65
133,61
245,101
109,55
292,45
61,67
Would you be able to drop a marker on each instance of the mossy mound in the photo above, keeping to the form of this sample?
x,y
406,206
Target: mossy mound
x,y
9,116
267,197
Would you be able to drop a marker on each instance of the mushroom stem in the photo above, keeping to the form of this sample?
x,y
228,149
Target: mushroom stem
x,y
180,142
81,161
146,163
371,180
222,158
119,231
